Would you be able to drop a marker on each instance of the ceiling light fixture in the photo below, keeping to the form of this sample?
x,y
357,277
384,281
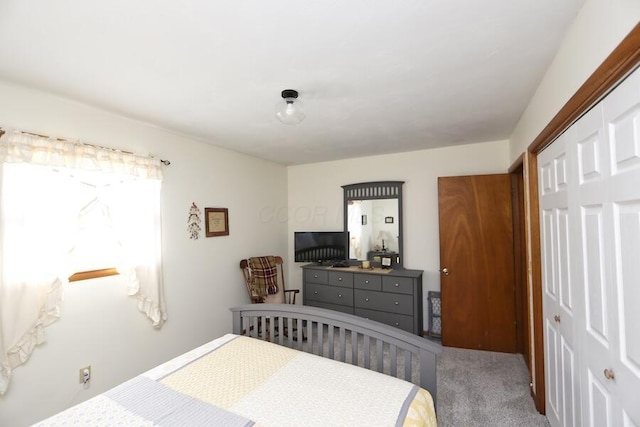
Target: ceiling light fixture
x,y
290,111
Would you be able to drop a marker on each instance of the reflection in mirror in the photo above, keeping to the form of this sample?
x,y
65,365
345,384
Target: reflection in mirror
x,y
373,227
373,218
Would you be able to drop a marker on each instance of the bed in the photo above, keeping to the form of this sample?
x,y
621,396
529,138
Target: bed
x,y
275,369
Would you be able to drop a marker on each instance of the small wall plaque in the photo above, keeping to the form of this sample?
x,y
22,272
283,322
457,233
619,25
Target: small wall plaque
x,y
216,221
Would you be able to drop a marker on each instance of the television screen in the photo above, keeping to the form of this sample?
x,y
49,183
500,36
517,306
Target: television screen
x,y
318,246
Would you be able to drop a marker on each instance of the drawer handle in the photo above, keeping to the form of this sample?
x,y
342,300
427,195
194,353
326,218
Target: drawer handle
x,y
366,299
366,281
339,279
339,295
315,292
396,285
397,324
396,303
315,276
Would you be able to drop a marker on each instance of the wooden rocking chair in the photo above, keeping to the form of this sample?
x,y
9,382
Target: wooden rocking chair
x,y
282,296
262,296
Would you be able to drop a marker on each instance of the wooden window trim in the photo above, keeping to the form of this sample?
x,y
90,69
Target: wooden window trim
x,y
92,274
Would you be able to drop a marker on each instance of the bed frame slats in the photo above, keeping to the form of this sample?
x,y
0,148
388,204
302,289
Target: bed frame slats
x,y
393,350
367,352
407,366
343,337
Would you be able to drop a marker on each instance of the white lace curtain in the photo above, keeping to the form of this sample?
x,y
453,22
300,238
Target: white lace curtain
x,y
48,187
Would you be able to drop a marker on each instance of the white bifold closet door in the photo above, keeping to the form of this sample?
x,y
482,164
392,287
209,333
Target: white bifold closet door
x,y
589,183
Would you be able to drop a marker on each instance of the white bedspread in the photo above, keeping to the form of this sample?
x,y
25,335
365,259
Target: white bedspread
x,y
242,381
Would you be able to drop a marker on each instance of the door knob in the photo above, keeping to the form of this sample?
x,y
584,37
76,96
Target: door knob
x,y
556,318
608,374
445,271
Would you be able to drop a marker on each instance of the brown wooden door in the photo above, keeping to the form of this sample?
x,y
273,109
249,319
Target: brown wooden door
x,y
476,256
522,296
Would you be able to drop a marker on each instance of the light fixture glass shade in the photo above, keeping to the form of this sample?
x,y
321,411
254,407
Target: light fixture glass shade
x,y
289,111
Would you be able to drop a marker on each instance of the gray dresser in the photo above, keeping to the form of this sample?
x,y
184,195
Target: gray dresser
x,y
393,297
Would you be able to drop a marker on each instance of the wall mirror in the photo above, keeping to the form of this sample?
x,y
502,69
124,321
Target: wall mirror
x,y
373,218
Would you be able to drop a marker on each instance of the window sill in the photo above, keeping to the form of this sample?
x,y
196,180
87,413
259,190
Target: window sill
x,y
92,274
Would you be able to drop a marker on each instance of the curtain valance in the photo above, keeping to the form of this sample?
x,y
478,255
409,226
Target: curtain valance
x,y
22,147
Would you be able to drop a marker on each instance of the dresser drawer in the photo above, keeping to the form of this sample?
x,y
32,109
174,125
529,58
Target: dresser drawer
x,y
316,276
334,307
341,278
396,320
329,294
372,282
382,301
401,285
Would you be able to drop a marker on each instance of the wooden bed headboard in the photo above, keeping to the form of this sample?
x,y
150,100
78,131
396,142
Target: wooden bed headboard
x,y
343,337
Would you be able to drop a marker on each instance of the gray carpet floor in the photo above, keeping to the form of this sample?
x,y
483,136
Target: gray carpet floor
x,y
482,388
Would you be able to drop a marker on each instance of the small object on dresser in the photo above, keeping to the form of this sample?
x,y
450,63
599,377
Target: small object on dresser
x,y
340,264
386,262
365,264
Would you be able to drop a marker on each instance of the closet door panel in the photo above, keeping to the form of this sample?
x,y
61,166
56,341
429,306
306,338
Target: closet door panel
x,y
565,277
621,110
627,218
571,385
552,373
558,300
622,117
595,247
594,274
548,243
598,403
597,397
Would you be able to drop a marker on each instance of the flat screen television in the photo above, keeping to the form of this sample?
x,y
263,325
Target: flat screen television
x,y
318,246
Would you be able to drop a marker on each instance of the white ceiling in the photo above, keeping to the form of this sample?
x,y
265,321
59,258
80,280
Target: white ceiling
x,y
376,76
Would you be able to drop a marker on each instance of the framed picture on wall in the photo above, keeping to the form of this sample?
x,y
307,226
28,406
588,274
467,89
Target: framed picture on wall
x,y
388,220
364,220
216,222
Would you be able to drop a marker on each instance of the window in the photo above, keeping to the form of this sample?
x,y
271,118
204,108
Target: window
x,y
68,208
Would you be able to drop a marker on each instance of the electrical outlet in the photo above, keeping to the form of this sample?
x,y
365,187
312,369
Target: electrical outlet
x,y
85,374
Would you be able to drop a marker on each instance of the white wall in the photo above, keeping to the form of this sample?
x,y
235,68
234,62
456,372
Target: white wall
x,y
597,30
99,324
316,196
